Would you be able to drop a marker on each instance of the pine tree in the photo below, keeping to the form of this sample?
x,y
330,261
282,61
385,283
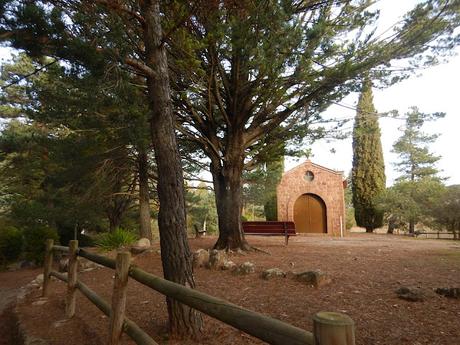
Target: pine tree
x,y
368,174
417,163
274,172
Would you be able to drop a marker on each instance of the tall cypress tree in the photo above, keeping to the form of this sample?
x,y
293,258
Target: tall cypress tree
x,y
368,173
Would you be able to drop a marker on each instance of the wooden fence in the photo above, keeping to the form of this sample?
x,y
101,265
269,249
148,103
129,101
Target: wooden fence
x,y
329,328
439,234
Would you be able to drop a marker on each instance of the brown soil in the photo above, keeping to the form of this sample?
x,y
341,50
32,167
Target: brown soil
x,y
10,282
366,270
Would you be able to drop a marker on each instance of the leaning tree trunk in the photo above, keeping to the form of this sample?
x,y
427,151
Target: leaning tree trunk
x,y
227,180
175,252
144,200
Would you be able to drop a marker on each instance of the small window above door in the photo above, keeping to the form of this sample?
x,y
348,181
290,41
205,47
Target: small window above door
x,y
309,176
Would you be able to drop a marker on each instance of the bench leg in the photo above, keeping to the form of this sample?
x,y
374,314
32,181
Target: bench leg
x,y
286,240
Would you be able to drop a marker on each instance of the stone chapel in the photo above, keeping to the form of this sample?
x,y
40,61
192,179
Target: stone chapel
x,y
312,196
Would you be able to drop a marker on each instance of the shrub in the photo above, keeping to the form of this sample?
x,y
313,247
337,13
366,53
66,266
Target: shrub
x,y
116,239
35,238
11,243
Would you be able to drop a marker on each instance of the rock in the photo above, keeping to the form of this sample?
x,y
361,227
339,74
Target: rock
x,y
63,265
316,278
245,268
217,258
273,273
135,250
41,301
229,266
449,292
39,279
410,294
142,245
200,258
143,242
54,279
84,264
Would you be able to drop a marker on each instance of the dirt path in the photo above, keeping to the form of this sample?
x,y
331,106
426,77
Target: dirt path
x,y
10,282
365,269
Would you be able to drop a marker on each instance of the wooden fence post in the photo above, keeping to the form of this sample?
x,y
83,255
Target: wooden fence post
x,y
47,266
117,315
333,329
71,279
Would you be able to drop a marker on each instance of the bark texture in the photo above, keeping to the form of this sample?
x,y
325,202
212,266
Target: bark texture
x,y
228,192
175,252
144,200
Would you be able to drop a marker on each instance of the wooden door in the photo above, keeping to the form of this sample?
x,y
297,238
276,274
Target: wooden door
x,y
310,214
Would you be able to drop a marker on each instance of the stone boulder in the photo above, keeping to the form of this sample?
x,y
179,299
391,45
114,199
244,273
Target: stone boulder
x,y
229,266
39,278
140,246
143,242
217,259
315,278
245,268
273,273
449,292
410,294
200,258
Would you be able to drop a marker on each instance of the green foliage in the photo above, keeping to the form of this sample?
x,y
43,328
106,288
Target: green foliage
x,y
412,201
368,173
115,239
35,238
201,209
260,186
71,164
275,171
446,211
349,210
416,161
11,243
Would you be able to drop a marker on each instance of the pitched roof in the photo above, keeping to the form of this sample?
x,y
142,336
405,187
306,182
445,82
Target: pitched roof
x,y
310,163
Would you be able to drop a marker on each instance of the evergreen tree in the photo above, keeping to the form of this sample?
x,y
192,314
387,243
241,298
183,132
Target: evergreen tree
x,y
274,172
368,173
262,72
417,163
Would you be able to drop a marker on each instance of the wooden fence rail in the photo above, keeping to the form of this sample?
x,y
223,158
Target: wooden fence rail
x,y
329,328
439,234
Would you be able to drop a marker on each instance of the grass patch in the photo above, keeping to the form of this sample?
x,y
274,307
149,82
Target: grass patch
x,y
116,239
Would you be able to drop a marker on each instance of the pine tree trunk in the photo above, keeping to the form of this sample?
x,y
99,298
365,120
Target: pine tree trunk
x,y
114,215
145,229
227,180
411,226
175,252
392,224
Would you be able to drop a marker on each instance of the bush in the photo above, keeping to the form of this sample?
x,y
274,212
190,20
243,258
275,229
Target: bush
x,y
116,239
11,243
35,238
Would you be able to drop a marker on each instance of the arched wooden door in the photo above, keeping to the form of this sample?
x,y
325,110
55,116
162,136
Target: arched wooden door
x,y
310,214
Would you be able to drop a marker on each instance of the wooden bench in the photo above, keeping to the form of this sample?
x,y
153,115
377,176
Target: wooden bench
x,y
271,228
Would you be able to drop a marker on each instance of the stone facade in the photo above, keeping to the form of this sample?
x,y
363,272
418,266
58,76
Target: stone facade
x,y
326,184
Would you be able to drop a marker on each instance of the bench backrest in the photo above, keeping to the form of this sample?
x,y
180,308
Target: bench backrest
x,y
270,227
